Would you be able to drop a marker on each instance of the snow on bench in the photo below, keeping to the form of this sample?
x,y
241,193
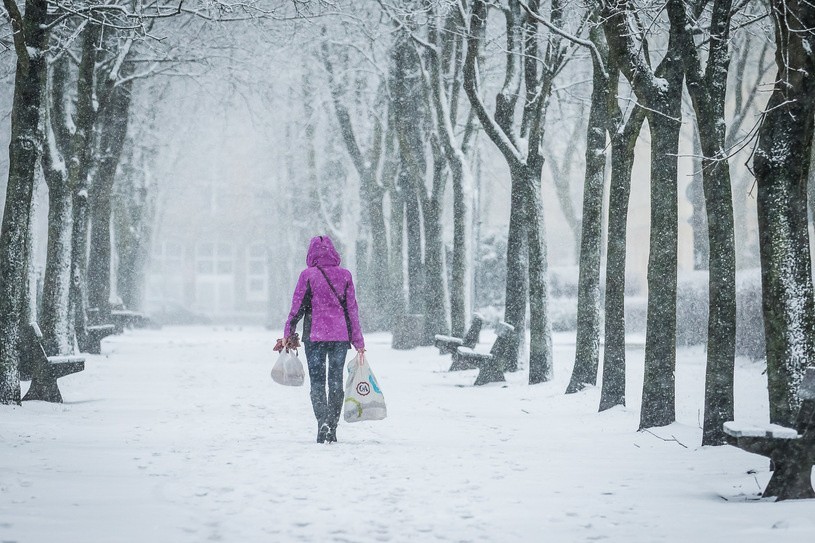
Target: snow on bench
x,y
749,430
449,344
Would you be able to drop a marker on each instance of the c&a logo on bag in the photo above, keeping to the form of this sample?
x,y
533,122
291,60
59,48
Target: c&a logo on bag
x,y
363,389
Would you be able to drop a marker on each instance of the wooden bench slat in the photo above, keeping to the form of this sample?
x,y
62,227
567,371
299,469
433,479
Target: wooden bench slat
x,y
448,339
471,353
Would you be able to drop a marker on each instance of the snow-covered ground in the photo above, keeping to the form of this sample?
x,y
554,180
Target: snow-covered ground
x,y
179,435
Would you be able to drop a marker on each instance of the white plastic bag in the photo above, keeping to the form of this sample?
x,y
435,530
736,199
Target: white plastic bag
x,y
288,370
363,399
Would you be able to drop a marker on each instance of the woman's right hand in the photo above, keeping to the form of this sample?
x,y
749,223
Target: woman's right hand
x,y
292,342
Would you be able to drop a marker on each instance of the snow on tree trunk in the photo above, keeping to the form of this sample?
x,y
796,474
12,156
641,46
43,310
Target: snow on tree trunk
x,y
781,164
54,321
24,151
517,281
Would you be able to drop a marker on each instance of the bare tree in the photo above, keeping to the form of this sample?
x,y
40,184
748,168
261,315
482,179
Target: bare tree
x,y
660,91
520,144
707,89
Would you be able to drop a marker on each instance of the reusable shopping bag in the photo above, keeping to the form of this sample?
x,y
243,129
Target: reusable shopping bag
x,y
363,399
288,370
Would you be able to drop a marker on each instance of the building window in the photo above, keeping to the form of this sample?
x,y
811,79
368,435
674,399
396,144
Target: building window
x,y
166,272
256,275
213,259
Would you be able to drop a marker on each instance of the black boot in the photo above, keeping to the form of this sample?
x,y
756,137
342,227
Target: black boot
x,y
322,432
331,435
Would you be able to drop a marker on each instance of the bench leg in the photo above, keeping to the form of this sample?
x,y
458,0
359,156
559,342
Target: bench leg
x,y
489,373
43,390
93,345
791,480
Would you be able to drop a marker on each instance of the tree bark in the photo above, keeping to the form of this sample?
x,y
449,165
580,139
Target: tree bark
x,y
541,364
115,119
517,282
31,40
133,218
781,164
587,349
434,287
659,383
54,318
708,92
623,141
659,90
696,196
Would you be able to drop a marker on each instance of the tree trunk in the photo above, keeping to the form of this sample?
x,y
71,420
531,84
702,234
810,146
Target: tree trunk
x,y
460,286
24,150
587,349
781,165
541,365
623,142
434,289
397,233
517,285
114,133
696,197
415,266
378,268
659,391
708,93
721,335
54,321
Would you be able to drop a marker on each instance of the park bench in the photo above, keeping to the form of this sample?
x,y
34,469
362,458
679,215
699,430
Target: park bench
x,y
125,318
449,344
43,370
490,365
95,332
792,451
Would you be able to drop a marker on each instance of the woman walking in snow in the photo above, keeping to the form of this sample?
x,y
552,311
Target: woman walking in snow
x,y
324,298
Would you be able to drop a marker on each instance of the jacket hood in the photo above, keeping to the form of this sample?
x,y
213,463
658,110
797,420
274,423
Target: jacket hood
x,y
321,252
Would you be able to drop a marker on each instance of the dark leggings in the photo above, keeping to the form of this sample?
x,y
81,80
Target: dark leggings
x,y
326,410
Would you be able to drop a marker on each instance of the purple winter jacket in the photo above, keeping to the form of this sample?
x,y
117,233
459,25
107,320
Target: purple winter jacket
x,y
315,302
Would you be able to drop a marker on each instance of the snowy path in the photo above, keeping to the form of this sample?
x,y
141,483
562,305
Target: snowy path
x,y
179,435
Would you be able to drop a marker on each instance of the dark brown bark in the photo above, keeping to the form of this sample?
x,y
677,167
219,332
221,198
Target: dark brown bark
x,y
31,40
